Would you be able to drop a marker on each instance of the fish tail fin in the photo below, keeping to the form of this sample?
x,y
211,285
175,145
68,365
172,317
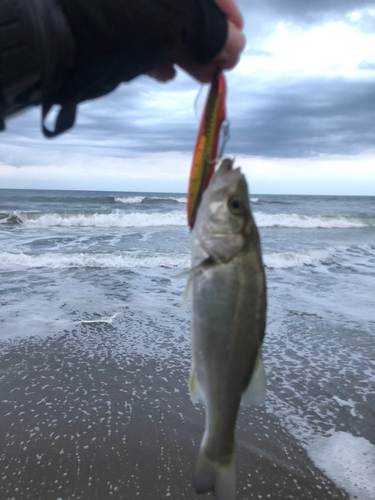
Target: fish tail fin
x,y
210,476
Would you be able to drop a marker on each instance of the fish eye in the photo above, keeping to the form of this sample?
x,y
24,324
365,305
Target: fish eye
x,y
235,206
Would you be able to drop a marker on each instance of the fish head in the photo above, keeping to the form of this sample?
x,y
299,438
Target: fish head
x,y
224,219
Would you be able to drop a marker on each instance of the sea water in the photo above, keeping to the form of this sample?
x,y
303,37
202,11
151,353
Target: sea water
x,y
83,261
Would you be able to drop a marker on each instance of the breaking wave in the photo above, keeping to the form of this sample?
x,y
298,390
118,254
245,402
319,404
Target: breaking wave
x,y
296,259
130,199
143,199
179,200
10,218
129,260
309,222
67,261
166,198
119,218
114,219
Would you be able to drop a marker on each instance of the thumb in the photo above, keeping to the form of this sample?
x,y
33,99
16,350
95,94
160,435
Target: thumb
x,y
235,44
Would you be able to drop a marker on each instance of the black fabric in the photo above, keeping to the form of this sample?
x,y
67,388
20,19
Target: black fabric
x,y
208,32
103,26
36,52
86,48
19,64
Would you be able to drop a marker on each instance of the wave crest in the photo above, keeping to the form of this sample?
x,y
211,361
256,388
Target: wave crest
x,y
296,259
142,199
310,222
67,261
127,260
119,218
113,219
130,199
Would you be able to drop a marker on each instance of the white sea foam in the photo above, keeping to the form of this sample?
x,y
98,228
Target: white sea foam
x,y
180,200
133,260
140,199
308,222
254,200
130,199
114,219
100,320
296,259
118,218
347,460
166,198
66,261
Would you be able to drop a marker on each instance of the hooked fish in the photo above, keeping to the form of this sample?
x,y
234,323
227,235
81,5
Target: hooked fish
x,y
228,287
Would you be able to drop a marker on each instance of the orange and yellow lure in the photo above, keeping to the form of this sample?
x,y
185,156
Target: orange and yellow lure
x,y
206,148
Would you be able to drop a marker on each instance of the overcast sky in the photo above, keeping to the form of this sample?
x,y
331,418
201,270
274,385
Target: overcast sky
x,y
301,105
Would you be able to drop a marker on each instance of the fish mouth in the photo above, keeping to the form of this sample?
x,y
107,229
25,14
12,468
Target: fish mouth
x,y
226,174
225,167
208,179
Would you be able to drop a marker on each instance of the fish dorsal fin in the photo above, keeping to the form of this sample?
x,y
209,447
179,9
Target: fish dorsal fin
x,y
255,394
196,394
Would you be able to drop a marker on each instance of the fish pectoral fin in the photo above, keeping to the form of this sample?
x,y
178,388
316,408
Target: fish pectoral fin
x,y
188,289
187,293
255,394
196,394
204,264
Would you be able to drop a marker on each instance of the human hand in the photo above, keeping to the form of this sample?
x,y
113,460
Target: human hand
x,y
226,59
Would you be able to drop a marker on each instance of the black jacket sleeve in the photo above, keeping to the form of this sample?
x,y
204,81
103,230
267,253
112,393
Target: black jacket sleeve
x,y
67,51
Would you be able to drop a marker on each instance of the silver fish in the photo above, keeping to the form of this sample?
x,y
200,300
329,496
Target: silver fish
x,y
228,323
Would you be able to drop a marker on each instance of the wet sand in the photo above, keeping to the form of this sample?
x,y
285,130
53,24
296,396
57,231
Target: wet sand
x,y
79,423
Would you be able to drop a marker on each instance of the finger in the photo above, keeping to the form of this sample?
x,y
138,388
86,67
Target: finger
x,y
230,8
228,57
201,72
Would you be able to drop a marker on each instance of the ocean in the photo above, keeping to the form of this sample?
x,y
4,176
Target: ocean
x,y
95,349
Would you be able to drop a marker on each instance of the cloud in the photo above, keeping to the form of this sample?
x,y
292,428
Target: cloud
x,y
304,88
326,174
167,171
302,12
309,118
138,117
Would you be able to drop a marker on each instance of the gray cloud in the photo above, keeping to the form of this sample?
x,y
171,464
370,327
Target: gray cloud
x,y
287,119
302,10
119,125
304,119
308,118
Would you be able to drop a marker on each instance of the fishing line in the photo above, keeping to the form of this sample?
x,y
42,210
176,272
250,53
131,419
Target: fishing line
x,y
225,133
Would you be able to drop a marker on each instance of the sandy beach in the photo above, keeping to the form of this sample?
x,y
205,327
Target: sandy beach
x,y
80,425
95,350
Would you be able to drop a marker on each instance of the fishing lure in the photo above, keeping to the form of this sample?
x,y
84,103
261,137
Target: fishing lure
x,y
206,148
